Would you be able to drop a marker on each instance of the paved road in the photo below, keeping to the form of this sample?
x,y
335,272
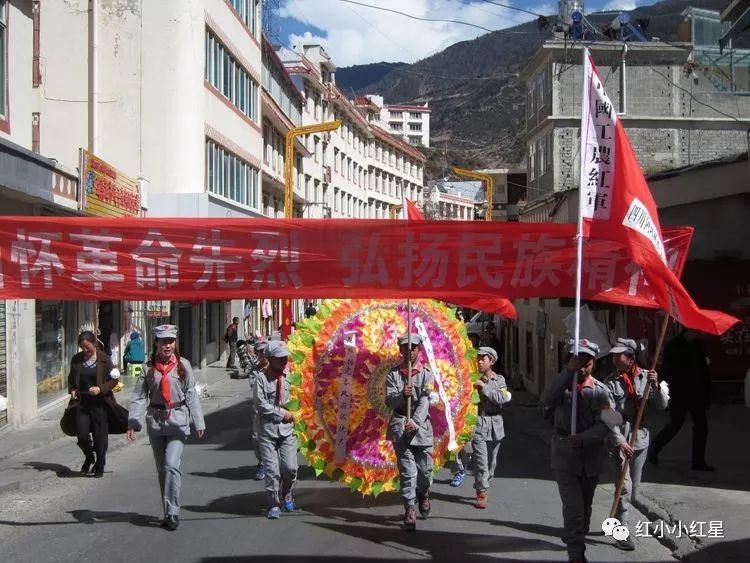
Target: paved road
x,y
64,517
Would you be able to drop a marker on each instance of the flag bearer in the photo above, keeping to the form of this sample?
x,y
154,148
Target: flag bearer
x,y
627,386
577,459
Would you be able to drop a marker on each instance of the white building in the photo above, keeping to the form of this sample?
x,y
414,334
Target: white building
x,y
457,201
167,92
411,122
364,171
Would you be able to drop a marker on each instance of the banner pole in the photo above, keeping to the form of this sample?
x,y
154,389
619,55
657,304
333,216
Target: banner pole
x,y
408,355
638,419
579,246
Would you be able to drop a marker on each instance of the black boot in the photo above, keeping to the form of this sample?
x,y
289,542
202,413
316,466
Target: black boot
x,y
86,467
171,522
98,471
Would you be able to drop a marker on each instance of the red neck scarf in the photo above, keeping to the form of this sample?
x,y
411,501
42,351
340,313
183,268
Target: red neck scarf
x,y
164,387
415,368
629,380
588,382
279,386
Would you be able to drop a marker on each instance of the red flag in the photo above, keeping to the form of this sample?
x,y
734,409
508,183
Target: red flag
x,y
616,204
413,212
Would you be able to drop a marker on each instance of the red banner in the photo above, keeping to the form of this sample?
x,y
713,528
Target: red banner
x,y
191,259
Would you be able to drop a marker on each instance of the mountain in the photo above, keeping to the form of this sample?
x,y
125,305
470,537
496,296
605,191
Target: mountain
x,y
477,101
360,77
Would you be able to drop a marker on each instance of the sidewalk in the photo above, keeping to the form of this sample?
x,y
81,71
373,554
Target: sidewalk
x,y
44,440
674,494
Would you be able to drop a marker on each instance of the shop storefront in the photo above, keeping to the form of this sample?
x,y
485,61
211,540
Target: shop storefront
x,y
57,325
3,366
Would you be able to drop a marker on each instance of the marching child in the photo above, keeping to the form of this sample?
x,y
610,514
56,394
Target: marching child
x,y
278,444
489,431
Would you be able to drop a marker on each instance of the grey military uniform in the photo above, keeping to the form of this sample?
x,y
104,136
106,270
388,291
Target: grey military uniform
x,y
628,408
489,430
577,468
278,444
413,449
167,428
255,373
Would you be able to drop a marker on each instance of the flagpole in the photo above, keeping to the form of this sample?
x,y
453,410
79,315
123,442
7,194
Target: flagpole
x,y
579,249
408,356
638,419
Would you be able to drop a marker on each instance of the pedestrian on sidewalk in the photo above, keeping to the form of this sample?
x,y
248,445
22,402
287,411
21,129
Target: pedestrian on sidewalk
x,y
135,351
166,394
626,387
577,459
489,430
230,337
685,368
412,438
278,444
259,365
90,384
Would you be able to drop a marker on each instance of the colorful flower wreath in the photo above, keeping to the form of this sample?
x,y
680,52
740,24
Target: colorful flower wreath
x,y
336,387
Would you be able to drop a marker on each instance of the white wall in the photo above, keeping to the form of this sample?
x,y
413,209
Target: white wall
x,y
19,56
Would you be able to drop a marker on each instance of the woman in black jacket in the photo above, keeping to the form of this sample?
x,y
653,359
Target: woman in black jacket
x,y
90,385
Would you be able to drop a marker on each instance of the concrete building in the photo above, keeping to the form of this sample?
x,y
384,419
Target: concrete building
x,y
410,122
509,192
681,106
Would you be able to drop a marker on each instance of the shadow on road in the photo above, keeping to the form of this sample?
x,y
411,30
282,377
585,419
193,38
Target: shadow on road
x,y
62,471
725,551
109,516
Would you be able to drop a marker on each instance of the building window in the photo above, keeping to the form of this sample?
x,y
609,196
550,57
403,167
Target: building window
x,y
541,146
225,74
3,58
532,161
541,90
249,13
415,127
415,115
397,114
230,177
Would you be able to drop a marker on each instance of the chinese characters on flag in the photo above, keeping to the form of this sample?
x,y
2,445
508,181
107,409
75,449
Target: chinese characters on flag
x,y
616,204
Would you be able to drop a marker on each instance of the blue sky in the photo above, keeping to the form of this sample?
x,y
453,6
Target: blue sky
x,y
354,34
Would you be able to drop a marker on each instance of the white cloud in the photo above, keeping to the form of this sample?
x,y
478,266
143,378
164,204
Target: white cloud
x,y
623,5
359,35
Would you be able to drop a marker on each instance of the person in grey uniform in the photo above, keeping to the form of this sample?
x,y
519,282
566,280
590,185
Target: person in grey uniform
x,y
259,364
278,444
627,386
412,438
489,430
166,394
577,459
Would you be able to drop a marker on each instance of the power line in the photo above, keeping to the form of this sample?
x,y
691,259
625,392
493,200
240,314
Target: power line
x,y
416,17
509,7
